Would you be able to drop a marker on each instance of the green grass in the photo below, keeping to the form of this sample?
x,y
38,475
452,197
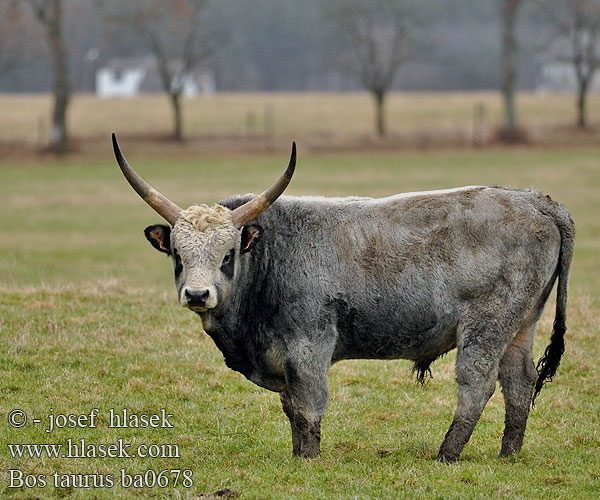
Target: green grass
x,y
88,318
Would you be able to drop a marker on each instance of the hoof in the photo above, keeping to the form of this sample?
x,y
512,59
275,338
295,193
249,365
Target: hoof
x,y
446,459
507,450
307,453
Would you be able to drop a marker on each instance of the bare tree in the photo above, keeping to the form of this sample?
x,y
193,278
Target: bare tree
x,y
509,66
50,14
578,23
376,31
177,35
585,36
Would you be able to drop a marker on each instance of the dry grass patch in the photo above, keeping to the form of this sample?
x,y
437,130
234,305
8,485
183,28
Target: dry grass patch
x,y
318,120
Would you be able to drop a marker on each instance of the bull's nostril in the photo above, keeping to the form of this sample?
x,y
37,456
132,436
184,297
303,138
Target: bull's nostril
x,y
196,298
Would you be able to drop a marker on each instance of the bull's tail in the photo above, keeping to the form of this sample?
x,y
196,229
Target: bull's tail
x,y
549,362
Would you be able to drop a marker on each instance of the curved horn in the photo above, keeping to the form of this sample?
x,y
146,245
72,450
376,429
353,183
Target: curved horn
x,y
256,206
163,206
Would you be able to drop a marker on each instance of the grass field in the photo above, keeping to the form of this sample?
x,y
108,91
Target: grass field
x,y
88,318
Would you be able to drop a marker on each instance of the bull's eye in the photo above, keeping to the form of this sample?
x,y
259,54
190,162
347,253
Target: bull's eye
x,y
178,264
227,264
228,258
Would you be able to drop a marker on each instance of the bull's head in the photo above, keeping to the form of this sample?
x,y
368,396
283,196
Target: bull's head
x,y
204,243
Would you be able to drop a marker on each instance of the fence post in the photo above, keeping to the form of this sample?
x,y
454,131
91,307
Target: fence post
x,y
479,118
269,126
42,133
250,123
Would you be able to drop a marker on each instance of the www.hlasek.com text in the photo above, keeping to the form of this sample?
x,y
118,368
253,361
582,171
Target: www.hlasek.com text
x,y
82,448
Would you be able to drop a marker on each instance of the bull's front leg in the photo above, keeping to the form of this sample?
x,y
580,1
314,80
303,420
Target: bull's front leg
x,y
304,402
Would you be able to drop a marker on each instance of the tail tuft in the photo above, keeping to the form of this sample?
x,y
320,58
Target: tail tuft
x,y
549,362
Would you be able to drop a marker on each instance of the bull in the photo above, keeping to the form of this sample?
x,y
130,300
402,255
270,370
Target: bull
x,y
286,292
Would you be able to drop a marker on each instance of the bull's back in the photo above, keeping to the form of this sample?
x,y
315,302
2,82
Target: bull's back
x,y
412,265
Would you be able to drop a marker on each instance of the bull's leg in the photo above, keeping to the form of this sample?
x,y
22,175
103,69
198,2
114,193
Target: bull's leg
x,y
304,402
476,374
517,377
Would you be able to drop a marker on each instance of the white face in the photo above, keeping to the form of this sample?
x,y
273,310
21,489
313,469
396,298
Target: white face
x,y
205,248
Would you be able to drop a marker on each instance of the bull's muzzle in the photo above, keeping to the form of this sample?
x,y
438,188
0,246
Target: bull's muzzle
x,y
195,298
199,300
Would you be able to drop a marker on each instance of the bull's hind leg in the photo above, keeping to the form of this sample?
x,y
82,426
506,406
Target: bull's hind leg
x,y
479,349
517,377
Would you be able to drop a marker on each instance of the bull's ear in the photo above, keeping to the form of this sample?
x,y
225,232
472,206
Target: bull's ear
x,y
250,236
160,237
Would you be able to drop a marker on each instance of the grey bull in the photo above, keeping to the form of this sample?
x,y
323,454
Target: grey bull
x,y
286,286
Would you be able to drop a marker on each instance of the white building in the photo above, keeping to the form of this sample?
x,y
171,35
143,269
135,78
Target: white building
x,y
130,77
557,72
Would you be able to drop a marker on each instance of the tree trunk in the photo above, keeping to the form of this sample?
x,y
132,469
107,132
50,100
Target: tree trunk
x,y
509,66
581,98
177,119
379,96
60,85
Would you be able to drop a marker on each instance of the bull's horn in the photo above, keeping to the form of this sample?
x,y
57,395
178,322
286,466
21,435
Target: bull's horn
x,y
256,206
163,206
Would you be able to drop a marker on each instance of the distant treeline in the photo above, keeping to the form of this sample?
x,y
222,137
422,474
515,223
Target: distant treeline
x,y
291,45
